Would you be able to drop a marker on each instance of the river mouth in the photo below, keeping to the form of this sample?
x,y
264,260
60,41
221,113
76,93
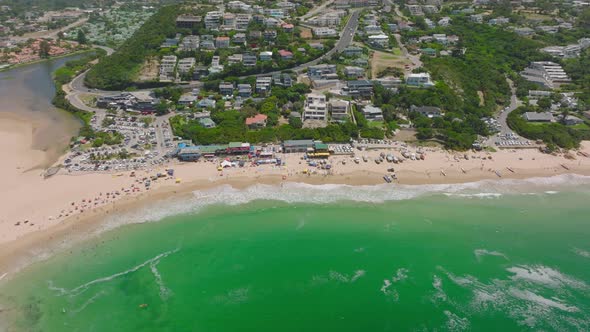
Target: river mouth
x,y
25,95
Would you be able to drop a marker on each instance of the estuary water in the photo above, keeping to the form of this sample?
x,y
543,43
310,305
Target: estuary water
x,y
26,92
507,255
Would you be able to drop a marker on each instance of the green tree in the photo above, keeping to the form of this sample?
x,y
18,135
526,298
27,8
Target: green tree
x,y
44,49
81,37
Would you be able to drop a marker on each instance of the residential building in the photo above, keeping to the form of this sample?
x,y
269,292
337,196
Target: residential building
x,y
242,21
168,65
265,56
239,38
499,21
190,43
249,60
354,72
185,65
445,21
263,84
239,6
339,110
187,99
275,12
206,122
525,31
320,71
188,21
352,51
330,19
538,117
271,22
315,107
325,32
226,89
229,20
388,82
222,42
234,59
213,20
245,90
270,34
287,27
286,55
419,79
256,122
429,9
546,73
359,89
207,44
381,41
373,30
478,18
415,10
372,113
427,111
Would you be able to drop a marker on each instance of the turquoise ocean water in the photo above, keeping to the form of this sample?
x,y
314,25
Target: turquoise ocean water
x,y
489,256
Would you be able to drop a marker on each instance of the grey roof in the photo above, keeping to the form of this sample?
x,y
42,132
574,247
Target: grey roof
x,y
534,116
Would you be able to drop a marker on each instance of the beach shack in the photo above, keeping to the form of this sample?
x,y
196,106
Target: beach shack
x,y
319,150
238,148
189,153
293,146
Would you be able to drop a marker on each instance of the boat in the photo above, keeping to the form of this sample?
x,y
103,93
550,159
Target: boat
x,y
377,161
391,170
357,160
510,169
443,172
387,178
463,170
498,174
389,158
565,167
365,159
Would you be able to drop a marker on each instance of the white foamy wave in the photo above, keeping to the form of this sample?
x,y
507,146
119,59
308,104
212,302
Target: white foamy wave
x,y
345,278
88,302
82,288
385,288
478,195
479,253
546,276
539,300
400,275
291,192
456,323
581,252
234,296
439,294
164,291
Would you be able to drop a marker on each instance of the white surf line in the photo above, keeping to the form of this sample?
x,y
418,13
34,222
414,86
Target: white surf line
x,y
3,276
85,286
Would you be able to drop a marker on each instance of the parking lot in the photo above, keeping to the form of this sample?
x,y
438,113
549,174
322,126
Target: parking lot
x,y
146,143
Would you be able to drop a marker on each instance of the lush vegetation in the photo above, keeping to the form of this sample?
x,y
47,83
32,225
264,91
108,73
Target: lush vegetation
x,y
64,75
119,70
553,134
470,85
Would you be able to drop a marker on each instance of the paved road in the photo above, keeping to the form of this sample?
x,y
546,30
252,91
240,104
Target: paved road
x,y
316,10
514,103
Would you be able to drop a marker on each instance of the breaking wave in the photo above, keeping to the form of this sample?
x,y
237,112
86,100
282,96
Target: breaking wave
x,y
536,297
292,192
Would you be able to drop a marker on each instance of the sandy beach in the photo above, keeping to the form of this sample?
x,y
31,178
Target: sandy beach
x,y
38,213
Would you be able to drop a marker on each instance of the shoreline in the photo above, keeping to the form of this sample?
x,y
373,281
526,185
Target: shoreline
x,y
38,246
20,65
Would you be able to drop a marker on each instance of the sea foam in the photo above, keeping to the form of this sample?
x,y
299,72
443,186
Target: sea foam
x,y
293,192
